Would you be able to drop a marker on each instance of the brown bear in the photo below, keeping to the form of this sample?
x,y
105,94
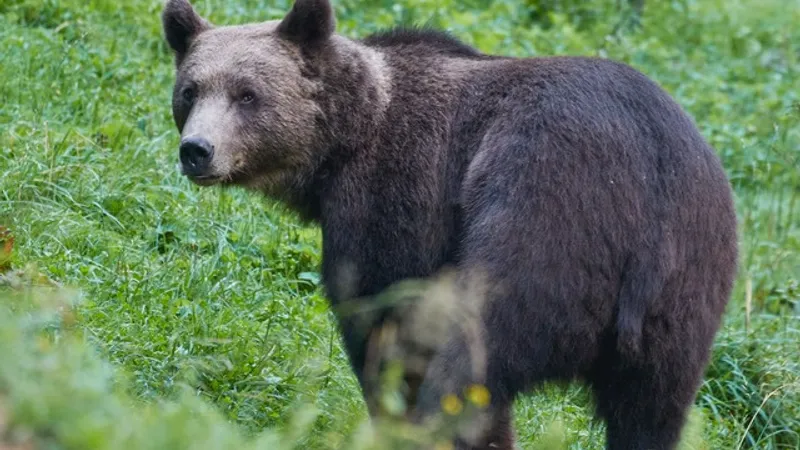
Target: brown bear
x,y
601,220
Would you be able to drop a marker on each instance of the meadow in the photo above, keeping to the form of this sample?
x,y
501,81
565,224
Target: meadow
x,y
138,311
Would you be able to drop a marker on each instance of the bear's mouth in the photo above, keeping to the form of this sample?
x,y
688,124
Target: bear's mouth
x,y
200,179
204,180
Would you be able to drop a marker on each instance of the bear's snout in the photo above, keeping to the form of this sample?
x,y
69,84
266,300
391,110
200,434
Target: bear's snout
x,y
195,155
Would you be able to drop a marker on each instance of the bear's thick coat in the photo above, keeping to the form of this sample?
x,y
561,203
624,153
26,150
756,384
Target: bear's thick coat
x,y
601,219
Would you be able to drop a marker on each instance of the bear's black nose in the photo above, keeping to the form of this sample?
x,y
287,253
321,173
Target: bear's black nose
x,y
195,154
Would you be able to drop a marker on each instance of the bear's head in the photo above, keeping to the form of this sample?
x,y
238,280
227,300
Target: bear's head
x,y
247,98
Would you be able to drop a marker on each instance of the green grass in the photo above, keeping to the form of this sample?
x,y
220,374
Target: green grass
x,y
199,322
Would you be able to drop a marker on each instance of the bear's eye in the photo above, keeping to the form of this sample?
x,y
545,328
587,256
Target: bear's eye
x,y
247,97
188,95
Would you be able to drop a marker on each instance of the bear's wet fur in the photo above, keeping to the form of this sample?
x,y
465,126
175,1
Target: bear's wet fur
x,y
601,220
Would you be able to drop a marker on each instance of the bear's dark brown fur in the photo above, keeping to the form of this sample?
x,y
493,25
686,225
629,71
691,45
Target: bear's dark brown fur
x,y
601,219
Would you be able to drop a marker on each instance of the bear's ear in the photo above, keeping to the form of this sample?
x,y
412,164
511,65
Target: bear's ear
x,y
309,23
181,25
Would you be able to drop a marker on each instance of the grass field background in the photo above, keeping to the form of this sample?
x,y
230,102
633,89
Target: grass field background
x,y
193,318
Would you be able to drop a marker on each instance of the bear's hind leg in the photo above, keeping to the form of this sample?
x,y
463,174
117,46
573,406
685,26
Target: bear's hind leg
x,y
640,418
645,407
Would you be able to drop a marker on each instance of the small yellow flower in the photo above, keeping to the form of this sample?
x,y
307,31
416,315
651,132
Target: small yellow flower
x,y
478,395
451,404
445,445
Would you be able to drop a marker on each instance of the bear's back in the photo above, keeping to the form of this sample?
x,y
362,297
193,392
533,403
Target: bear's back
x,y
421,40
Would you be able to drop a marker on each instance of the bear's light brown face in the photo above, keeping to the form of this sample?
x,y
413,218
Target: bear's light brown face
x,y
244,108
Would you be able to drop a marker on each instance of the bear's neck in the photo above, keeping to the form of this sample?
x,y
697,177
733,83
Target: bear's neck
x,y
358,86
386,204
